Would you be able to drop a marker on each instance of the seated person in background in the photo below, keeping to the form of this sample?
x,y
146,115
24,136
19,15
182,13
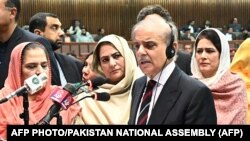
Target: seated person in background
x,y
207,24
211,65
68,37
114,60
236,27
75,29
243,35
100,34
188,48
27,59
194,29
187,35
241,65
84,36
229,34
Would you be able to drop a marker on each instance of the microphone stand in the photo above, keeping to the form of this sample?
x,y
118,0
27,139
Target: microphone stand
x,y
25,114
58,119
45,122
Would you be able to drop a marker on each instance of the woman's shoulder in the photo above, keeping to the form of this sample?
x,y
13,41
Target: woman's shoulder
x,y
231,79
237,78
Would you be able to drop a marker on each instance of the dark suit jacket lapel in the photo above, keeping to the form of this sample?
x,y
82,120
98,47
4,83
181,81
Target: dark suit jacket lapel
x,y
167,98
138,91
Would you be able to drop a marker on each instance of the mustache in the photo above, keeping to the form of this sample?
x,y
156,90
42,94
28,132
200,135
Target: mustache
x,y
143,59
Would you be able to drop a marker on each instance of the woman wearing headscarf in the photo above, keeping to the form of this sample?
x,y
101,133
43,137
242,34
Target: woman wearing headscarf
x,y
211,64
28,59
241,66
113,59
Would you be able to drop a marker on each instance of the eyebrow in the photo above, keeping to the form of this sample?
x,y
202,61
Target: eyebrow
x,y
55,25
110,54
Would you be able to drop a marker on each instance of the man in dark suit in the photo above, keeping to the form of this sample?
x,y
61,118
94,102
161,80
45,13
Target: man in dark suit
x,y
11,35
183,60
176,98
48,25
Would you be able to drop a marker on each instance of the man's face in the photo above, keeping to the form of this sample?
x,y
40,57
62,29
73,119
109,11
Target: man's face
x,y
188,48
150,48
150,42
6,15
53,32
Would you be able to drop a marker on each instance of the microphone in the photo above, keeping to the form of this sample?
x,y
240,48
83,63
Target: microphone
x,y
90,85
62,99
31,85
102,96
98,81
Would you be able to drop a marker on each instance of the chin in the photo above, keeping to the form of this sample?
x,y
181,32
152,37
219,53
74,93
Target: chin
x,y
115,80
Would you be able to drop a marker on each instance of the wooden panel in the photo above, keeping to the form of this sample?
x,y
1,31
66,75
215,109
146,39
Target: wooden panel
x,y
118,16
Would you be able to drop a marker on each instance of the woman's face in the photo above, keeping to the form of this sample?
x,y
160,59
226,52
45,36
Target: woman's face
x,y
112,63
87,73
34,62
208,58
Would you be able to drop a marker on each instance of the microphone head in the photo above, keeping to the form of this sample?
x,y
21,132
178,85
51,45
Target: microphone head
x,y
70,88
103,96
98,81
43,77
35,83
62,96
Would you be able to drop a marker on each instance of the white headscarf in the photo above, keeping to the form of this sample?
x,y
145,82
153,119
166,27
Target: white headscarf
x,y
224,64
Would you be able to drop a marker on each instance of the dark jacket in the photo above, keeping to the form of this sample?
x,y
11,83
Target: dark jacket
x,y
184,61
183,100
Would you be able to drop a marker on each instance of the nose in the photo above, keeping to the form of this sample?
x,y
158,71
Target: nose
x,y
39,70
85,69
204,54
112,61
61,33
140,50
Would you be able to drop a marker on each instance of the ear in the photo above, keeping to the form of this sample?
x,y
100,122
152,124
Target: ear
x,y
38,32
13,12
176,46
